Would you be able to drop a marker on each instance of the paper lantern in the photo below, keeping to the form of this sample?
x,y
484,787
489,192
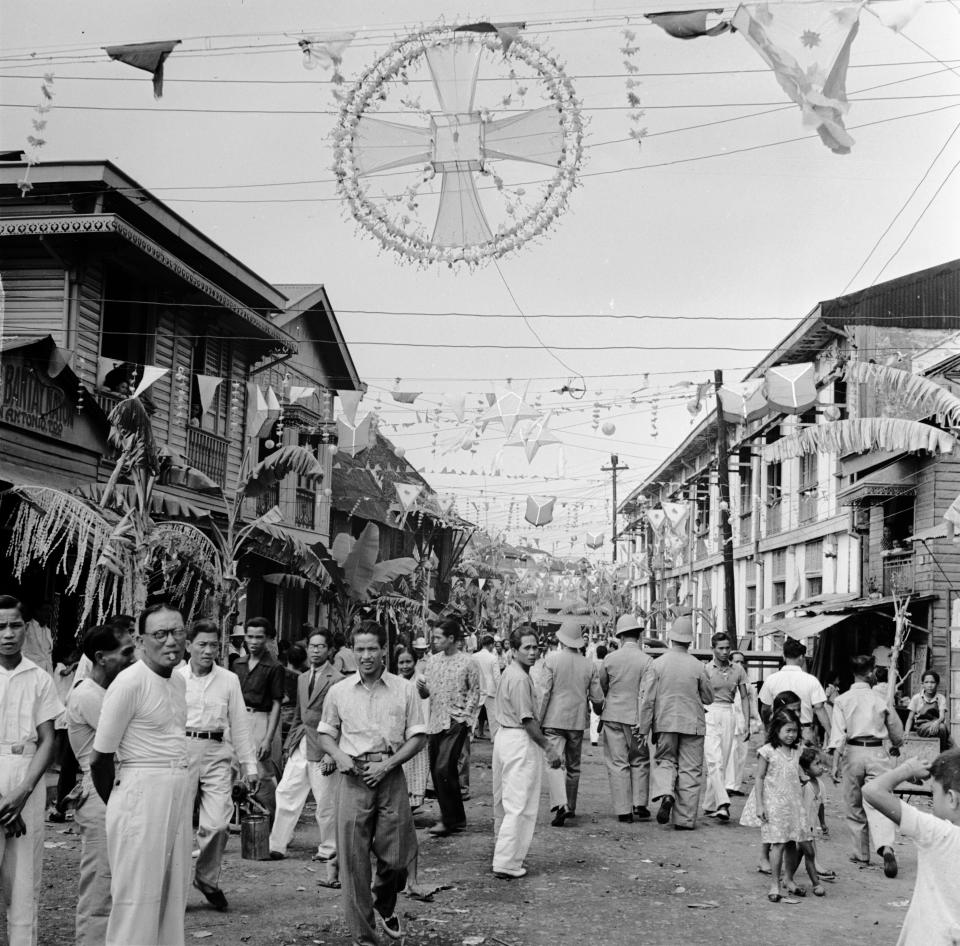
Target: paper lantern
x,y
609,428
353,440
791,388
742,402
539,510
594,540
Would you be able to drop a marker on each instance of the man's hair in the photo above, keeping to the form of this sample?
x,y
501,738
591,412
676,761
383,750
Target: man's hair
x,y
296,655
946,770
862,664
264,623
719,638
784,698
126,621
793,649
931,673
102,637
882,674
203,626
323,632
486,640
519,633
738,653
152,609
780,719
370,627
9,603
451,627
601,651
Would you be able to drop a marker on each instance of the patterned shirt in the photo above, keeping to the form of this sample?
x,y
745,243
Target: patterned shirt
x,y
454,684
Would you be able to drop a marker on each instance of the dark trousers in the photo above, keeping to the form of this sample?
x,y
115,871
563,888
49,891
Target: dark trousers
x,y
69,769
445,748
379,821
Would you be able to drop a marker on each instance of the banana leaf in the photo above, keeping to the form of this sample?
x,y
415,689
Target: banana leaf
x,y
280,464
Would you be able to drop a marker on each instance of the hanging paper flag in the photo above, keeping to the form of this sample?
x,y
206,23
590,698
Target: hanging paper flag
x,y
149,57
808,47
406,397
349,402
676,514
594,540
896,14
327,51
791,388
507,32
273,405
298,393
457,403
538,435
539,510
742,401
257,413
353,439
407,493
482,581
508,408
207,386
656,518
690,24
151,373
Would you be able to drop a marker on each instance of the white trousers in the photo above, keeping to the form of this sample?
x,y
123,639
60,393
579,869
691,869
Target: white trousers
x,y
21,859
489,703
93,899
301,777
737,763
717,749
517,771
148,842
211,776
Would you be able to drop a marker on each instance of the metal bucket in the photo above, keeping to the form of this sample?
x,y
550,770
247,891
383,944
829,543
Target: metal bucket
x,y
255,837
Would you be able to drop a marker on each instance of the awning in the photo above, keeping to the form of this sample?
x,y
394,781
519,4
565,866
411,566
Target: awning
x,y
17,474
828,598
894,479
801,628
942,530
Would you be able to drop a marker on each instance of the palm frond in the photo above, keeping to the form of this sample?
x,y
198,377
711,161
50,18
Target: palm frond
x,y
280,464
282,544
857,436
286,580
922,394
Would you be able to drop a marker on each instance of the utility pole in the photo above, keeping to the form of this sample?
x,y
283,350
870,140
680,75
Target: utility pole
x,y
726,530
615,465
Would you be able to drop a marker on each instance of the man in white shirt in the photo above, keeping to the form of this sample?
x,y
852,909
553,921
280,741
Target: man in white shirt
x,y
28,707
215,707
143,724
109,649
488,666
792,676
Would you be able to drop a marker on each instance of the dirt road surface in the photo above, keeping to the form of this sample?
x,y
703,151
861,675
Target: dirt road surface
x,y
591,883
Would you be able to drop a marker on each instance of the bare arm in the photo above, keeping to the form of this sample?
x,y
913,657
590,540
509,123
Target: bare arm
x,y
879,791
908,725
745,708
11,804
263,750
374,772
758,787
343,762
820,711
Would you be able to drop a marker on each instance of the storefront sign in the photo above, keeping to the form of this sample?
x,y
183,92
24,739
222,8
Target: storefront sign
x,y
33,402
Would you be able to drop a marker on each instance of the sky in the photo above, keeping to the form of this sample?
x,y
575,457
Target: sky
x,y
697,249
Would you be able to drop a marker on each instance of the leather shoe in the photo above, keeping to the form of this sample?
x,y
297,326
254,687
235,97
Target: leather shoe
x,y
559,817
666,806
510,874
641,813
890,867
277,856
626,819
214,895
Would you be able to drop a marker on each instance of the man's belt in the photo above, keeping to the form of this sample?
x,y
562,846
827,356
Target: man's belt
x,y
250,709
869,743
372,756
205,734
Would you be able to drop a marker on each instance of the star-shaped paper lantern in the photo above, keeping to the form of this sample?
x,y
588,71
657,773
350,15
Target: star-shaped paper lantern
x,y
539,435
508,408
353,439
539,510
792,388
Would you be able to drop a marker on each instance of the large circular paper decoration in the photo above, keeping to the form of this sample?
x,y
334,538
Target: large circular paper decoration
x,y
445,180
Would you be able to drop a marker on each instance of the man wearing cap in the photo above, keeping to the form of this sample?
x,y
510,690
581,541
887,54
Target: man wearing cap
x,y
624,676
569,680
672,708
792,676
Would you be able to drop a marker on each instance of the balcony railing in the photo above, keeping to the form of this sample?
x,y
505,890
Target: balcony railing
x,y
774,518
899,573
304,514
106,399
808,506
207,453
267,500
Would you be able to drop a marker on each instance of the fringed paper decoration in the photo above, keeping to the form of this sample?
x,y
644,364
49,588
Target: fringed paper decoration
x,y
742,402
508,32
149,57
791,389
857,436
636,113
326,51
349,402
539,510
690,24
236,406
38,139
808,47
913,390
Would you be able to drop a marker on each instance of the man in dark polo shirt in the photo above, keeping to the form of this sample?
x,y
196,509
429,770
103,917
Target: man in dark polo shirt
x,y
261,681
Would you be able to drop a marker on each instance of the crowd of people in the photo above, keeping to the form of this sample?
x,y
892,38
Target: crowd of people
x,y
162,733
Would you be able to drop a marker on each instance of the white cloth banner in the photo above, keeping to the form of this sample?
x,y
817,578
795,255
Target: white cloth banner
x,y
151,374
207,386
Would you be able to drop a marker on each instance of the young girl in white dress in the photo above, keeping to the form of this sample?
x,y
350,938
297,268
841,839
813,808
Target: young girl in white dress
x,y
776,805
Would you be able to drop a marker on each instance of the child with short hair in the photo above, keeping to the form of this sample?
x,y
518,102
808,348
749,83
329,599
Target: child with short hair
x,y
933,918
812,768
777,802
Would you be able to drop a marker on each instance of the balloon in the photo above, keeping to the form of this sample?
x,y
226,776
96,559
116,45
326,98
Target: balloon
x,y
609,428
269,444
333,449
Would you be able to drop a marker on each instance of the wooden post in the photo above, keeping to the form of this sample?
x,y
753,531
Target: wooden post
x,y
726,530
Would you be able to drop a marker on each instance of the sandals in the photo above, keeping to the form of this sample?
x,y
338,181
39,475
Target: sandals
x,y
795,890
764,870
774,897
331,884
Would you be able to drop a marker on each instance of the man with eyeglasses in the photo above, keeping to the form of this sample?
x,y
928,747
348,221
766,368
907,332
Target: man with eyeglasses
x,y
28,707
214,707
139,769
